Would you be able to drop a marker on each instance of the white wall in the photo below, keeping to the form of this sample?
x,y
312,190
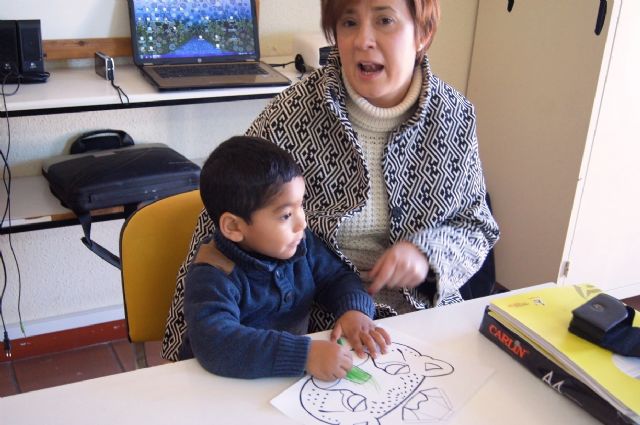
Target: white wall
x,y
63,19
60,19
279,20
63,284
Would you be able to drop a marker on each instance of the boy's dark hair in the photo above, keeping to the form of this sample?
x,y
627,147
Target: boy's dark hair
x,y
242,175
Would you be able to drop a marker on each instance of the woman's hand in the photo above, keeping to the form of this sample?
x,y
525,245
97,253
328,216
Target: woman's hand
x,y
361,332
328,361
401,266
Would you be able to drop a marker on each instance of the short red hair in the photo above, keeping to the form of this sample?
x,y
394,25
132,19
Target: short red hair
x,y
425,14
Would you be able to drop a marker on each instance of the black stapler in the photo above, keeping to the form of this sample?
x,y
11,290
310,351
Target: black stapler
x,y
607,322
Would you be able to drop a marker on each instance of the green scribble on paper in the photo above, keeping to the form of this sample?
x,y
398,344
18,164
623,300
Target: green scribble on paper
x,y
356,375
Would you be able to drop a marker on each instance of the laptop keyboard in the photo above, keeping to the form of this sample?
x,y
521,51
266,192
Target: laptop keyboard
x,y
208,70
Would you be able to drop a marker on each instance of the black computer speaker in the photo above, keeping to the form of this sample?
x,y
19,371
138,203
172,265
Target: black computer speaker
x,y
21,58
30,46
9,60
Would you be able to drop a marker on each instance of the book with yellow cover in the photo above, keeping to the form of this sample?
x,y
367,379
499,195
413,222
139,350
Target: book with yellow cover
x,y
542,316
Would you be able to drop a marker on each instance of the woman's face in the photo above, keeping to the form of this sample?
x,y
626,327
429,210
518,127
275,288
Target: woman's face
x,y
377,45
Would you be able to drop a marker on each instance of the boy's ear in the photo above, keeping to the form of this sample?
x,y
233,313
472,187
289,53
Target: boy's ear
x,y
231,227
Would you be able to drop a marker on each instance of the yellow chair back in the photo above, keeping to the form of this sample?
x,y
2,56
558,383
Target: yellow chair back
x,y
154,241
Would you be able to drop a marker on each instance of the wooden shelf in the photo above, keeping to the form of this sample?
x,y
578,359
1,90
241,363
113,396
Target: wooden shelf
x,y
70,90
81,89
33,207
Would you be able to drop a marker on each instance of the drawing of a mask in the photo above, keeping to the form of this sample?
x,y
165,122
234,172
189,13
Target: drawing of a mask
x,y
410,394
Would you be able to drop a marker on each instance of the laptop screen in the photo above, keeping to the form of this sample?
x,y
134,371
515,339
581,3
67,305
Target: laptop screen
x,y
193,31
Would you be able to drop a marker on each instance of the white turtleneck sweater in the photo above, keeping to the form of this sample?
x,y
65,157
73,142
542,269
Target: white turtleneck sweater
x,y
365,236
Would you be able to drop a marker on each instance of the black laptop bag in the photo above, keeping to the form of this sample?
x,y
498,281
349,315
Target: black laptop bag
x,y
106,169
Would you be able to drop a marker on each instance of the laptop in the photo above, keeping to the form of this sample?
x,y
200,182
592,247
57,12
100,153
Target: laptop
x,y
183,45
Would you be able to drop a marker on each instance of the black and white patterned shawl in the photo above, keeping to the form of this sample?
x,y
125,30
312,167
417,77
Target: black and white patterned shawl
x,y
431,168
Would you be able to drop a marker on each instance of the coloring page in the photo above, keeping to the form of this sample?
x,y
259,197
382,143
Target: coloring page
x,y
412,384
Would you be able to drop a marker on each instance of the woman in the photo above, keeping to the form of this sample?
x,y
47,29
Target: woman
x,y
390,158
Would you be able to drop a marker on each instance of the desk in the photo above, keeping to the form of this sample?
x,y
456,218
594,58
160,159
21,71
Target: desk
x,y
184,393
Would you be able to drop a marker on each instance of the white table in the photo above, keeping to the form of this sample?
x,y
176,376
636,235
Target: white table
x,y
184,393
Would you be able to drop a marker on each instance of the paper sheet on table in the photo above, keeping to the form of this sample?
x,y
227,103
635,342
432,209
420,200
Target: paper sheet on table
x,y
412,384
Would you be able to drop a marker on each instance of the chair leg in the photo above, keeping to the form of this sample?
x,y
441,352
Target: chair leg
x,y
140,355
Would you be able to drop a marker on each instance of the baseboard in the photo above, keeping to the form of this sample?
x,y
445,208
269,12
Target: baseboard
x,y
55,342
65,332
66,321
498,288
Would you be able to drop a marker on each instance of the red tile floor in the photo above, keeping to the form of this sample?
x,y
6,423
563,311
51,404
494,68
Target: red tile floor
x,y
78,364
92,361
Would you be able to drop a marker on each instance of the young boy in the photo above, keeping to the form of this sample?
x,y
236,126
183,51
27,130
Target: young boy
x,y
249,291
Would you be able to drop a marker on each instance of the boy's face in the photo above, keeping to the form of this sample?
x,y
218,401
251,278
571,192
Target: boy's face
x,y
277,228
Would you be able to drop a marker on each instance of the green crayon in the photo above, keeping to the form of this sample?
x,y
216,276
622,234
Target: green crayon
x,y
356,375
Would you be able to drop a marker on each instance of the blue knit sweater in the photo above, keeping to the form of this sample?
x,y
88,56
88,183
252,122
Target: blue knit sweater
x,y
249,321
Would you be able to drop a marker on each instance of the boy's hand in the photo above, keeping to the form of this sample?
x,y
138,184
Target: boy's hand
x,y
361,332
328,361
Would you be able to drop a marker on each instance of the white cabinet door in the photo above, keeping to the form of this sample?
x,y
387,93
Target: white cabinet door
x,y
604,248
533,80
